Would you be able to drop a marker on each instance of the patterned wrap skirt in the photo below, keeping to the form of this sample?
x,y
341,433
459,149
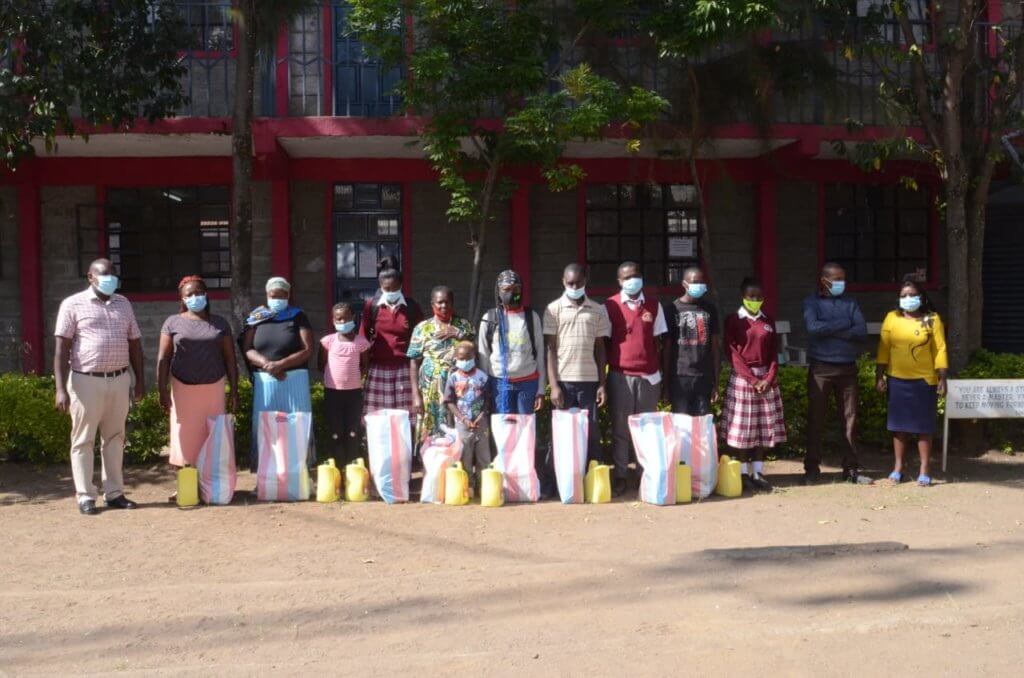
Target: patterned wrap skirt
x,y
387,388
191,406
753,419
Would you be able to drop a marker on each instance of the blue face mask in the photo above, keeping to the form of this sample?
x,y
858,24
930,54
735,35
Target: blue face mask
x,y
837,288
345,327
632,286
697,290
106,284
910,304
465,365
195,303
575,293
392,297
277,305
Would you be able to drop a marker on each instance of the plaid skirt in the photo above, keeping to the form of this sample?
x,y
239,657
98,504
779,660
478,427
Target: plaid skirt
x,y
387,388
752,419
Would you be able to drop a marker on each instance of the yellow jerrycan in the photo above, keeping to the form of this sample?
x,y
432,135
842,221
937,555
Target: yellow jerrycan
x,y
597,484
357,481
328,482
456,485
491,491
188,486
684,484
729,483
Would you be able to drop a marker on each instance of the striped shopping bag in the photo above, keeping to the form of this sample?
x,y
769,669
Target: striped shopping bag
x,y
515,440
698,449
283,447
389,443
569,434
216,462
657,450
438,454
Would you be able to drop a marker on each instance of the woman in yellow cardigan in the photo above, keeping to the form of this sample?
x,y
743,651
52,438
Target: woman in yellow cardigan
x,y
911,365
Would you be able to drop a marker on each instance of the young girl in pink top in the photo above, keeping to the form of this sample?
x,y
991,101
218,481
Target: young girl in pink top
x,y
343,359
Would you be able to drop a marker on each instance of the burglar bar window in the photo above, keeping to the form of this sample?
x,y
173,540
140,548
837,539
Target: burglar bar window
x,y
657,225
156,236
209,21
878,233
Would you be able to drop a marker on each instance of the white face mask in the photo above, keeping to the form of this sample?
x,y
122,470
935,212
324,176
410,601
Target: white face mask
x,y
575,293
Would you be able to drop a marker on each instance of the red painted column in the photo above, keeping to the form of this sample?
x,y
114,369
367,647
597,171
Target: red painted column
x,y
767,243
280,229
30,266
519,236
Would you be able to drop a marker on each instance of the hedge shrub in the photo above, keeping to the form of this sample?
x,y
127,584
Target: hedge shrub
x,y
32,430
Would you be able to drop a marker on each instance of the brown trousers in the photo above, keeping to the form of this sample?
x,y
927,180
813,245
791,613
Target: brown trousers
x,y
823,380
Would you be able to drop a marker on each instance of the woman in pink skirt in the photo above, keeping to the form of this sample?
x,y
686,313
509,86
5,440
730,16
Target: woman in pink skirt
x,y
196,356
753,417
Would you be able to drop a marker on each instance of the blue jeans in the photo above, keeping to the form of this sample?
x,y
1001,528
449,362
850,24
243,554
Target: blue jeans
x,y
514,397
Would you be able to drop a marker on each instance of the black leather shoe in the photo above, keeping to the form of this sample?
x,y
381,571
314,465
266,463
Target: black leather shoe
x,y
760,483
121,502
812,476
747,482
87,507
618,487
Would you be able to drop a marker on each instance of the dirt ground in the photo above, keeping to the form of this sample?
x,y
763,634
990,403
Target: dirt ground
x,y
826,580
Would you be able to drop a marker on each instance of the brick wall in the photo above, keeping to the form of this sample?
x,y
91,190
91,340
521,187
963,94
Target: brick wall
x,y
309,250
732,221
554,241
10,302
440,255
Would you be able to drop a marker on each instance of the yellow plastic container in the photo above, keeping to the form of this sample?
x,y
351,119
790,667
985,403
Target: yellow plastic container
x,y
357,481
597,483
328,482
456,485
729,483
491,491
684,484
188,486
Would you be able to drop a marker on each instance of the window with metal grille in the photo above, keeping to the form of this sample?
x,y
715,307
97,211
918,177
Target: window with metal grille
x,y
156,236
656,225
363,86
209,21
878,233
367,227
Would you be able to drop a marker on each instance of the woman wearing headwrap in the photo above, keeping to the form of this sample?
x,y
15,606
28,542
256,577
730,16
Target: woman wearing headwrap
x,y
196,355
277,343
512,349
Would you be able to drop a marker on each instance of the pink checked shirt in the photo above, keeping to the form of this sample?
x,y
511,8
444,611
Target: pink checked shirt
x,y
99,331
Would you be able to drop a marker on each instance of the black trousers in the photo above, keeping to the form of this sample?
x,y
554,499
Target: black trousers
x,y
344,411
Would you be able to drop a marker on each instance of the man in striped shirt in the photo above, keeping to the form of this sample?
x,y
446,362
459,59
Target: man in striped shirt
x,y
97,337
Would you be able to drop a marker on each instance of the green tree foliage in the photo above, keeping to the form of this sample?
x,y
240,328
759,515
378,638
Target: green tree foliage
x,y
489,79
102,61
955,77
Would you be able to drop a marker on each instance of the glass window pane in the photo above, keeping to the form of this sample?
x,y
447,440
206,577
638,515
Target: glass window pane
x,y
682,194
913,221
654,249
602,249
627,195
343,197
391,196
839,196
350,226
602,195
602,222
367,195
631,249
654,221
913,246
654,197
346,261
631,222
367,260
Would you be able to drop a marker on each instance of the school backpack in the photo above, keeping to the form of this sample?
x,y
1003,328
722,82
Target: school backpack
x,y
491,319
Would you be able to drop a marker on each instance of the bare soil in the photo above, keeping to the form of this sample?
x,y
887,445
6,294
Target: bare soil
x,y
826,580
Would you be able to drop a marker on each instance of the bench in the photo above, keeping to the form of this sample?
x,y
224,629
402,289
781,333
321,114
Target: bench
x,y
789,355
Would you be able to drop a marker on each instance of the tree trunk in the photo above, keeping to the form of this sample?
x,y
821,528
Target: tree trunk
x,y
479,241
241,166
975,253
959,292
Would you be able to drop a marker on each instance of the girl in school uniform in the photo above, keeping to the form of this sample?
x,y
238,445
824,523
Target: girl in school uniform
x,y
753,418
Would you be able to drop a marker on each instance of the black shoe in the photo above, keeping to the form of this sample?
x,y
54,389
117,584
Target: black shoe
x,y
121,502
747,482
760,484
88,507
618,487
853,475
812,476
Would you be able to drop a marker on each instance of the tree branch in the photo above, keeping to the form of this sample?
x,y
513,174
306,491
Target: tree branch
x,y
920,80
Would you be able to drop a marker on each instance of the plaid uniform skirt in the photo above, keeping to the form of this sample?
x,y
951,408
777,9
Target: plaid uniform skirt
x,y
387,388
753,419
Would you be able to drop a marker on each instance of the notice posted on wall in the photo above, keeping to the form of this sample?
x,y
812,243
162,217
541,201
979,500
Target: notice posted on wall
x,y
985,399
682,248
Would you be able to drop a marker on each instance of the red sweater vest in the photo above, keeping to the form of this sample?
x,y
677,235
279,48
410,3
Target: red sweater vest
x,y
632,348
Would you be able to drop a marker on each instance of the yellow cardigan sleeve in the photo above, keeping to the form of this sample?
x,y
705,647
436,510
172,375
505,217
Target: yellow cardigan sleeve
x,y
884,344
939,344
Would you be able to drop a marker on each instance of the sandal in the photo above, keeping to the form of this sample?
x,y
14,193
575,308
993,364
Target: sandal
x,y
924,481
896,477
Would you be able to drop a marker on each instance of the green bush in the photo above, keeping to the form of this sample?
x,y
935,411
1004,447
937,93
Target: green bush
x,y
1004,434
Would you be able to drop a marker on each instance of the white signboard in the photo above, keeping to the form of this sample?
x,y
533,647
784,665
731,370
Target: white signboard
x,y
985,398
682,248
981,399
